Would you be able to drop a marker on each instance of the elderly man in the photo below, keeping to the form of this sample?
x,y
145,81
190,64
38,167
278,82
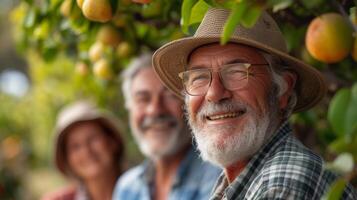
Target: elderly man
x,y
173,170
238,98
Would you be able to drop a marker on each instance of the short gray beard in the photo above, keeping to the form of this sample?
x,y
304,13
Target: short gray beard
x,y
239,146
179,137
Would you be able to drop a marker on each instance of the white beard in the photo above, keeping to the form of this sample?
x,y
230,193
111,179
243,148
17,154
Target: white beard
x,y
178,138
237,145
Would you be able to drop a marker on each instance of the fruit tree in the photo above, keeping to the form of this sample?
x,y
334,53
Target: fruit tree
x,y
84,44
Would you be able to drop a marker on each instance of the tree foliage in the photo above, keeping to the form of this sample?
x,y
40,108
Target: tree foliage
x,y
74,54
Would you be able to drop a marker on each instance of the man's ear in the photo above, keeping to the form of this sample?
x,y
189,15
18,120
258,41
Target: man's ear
x,y
290,79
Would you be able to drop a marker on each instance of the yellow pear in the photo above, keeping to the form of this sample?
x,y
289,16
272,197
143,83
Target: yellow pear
x,y
109,35
81,68
124,50
96,51
80,3
97,10
102,70
66,8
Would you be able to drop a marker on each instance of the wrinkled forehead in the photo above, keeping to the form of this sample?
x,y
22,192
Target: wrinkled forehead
x,y
224,53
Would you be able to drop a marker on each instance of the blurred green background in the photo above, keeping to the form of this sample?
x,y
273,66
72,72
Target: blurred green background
x,y
51,55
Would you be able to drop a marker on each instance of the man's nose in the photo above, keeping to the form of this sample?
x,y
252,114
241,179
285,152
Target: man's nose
x,y
156,107
216,92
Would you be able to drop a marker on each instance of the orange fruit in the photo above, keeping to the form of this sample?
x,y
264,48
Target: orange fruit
x,y
97,10
329,38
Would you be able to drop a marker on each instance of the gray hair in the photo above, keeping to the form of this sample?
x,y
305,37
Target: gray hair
x,y
137,64
277,69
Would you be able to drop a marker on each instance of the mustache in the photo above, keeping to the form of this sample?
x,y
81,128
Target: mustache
x,y
150,121
227,105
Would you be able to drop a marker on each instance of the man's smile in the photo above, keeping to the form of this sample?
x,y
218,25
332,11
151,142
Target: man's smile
x,y
228,115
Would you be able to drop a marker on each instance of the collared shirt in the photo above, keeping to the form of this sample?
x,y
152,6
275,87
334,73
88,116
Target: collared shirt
x,y
194,181
282,169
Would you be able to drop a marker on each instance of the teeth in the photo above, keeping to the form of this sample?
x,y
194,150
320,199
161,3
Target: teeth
x,y
228,115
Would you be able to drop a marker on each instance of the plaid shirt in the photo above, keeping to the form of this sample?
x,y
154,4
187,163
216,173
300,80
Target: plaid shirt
x,y
282,169
194,181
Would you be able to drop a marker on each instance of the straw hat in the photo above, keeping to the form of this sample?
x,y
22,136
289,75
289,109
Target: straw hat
x,y
265,35
83,111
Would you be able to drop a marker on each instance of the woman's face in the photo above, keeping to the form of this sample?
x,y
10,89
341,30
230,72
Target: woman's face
x,y
90,152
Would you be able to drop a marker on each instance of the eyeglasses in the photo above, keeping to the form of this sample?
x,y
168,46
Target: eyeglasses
x,y
233,77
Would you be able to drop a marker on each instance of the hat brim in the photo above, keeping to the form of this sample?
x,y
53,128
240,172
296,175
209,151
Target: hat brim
x,y
172,58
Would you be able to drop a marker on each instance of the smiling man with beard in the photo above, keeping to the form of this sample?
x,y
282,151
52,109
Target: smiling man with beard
x,y
173,170
238,99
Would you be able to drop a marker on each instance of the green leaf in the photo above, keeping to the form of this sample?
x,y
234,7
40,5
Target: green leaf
x,y
152,9
351,114
198,12
233,20
294,36
211,3
353,14
337,109
341,145
30,18
354,92
281,5
251,16
336,190
186,13
311,4
228,4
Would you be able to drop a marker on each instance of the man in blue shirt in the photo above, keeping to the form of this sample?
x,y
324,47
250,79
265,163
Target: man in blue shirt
x,y
173,170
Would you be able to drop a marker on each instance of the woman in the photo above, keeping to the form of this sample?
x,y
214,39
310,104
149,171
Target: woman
x,y
89,150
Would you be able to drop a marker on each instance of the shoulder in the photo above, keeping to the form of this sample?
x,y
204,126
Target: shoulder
x,y
199,180
203,171
293,167
197,171
131,176
292,171
130,183
293,156
67,193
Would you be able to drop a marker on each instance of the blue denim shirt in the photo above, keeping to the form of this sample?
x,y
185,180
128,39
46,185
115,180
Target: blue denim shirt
x,y
194,181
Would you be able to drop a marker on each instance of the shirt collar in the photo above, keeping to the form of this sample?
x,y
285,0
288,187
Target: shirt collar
x,y
254,165
148,173
184,166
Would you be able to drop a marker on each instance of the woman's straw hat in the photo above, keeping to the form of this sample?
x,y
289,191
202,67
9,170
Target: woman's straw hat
x,y
79,112
171,59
